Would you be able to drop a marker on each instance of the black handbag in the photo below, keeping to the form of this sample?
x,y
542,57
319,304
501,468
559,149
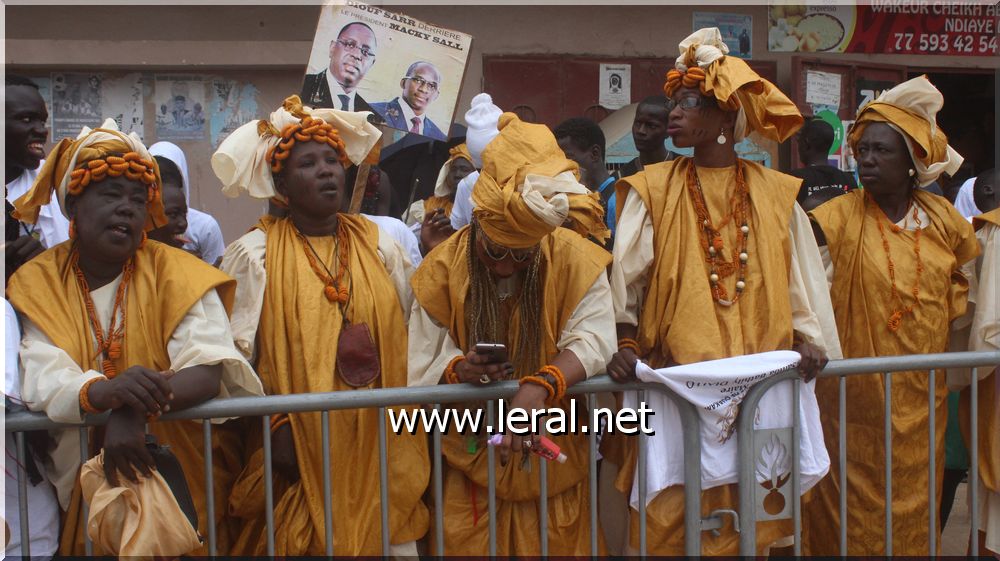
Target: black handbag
x,y
171,471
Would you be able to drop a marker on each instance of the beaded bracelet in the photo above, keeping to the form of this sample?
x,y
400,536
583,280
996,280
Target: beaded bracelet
x,y
450,377
279,421
85,398
558,378
628,343
538,381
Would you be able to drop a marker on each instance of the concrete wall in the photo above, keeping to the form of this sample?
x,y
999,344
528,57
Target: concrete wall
x,y
269,45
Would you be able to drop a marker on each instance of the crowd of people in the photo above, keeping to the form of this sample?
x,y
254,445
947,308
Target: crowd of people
x,y
122,299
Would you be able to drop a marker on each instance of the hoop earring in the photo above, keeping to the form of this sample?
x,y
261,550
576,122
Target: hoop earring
x,y
72,228
722,136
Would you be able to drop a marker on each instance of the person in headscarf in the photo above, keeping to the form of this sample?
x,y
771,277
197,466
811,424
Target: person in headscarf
x,y
481,119
430,219
893,254
516,277
203,236
713,259
322,304
156,316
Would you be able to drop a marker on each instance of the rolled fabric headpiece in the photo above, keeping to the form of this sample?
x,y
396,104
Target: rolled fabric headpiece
x,y
762,106
528,188
911,109
247,158
73,165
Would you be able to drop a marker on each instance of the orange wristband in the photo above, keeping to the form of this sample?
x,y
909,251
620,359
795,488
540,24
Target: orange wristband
x,y
538,381
85,399
560,380
628,343
450,377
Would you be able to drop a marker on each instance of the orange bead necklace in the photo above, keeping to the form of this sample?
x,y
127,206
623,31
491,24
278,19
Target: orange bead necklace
x,y
712,244
111,345
896,318
334,287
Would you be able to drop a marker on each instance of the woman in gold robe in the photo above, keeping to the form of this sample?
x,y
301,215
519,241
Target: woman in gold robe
x,y
893,253
516,277
116,322
713,258
321,306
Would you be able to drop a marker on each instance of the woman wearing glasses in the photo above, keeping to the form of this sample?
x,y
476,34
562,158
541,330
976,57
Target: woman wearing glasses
x,y
408,112
514,277
713,259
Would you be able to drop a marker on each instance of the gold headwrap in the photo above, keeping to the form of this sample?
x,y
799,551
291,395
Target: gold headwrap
x,y
441,186
762,106
911,109
528,188
74,164
243,160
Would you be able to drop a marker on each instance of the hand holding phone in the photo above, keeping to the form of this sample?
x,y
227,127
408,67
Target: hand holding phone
x,y
496,352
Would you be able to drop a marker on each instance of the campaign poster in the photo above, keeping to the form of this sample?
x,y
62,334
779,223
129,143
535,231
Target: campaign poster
x,y
886,27
76,103
85,99
615,88
408,73
233,104
181,107
736,29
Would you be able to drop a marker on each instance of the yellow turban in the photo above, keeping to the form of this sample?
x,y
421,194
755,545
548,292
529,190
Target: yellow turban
x,y
241,163
911,109
441,186
71,156
528,188
762,106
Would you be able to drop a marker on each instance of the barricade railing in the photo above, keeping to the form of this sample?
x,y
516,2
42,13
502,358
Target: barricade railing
x,y
437,396
750,497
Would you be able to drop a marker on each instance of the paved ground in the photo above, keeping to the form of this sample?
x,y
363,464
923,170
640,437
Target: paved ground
x,y
955,537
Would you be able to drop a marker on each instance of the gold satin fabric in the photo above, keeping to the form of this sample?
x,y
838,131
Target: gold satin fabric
x,y
862,306
680,321
433,203
570,267
165,285
519,150
297,345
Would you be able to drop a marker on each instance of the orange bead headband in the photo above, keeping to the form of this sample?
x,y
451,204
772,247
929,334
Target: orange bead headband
x,y
130,164
307,129
695,77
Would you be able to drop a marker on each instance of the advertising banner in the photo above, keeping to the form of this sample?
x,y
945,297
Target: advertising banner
x,y
920,27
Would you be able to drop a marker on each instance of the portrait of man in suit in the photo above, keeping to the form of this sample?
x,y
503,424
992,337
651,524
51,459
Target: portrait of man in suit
x,y
352,54
408,112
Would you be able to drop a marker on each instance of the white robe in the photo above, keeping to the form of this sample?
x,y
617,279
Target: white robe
x,y
52,379
52,226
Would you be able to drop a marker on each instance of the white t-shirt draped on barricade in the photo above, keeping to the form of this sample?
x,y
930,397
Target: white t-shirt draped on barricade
x,y
716,388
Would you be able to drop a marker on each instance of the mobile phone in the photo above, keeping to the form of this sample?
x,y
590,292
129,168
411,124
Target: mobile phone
x,y
496,351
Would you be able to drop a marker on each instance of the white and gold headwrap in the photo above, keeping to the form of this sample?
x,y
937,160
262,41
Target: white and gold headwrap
x,y
243,161
95,154
762,106
528,188
911,109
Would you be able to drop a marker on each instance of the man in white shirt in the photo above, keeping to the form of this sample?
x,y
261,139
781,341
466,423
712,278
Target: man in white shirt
x,y
352,54
25,116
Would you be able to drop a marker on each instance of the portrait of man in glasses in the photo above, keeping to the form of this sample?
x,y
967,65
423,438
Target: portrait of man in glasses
x,y
420,87
352,54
